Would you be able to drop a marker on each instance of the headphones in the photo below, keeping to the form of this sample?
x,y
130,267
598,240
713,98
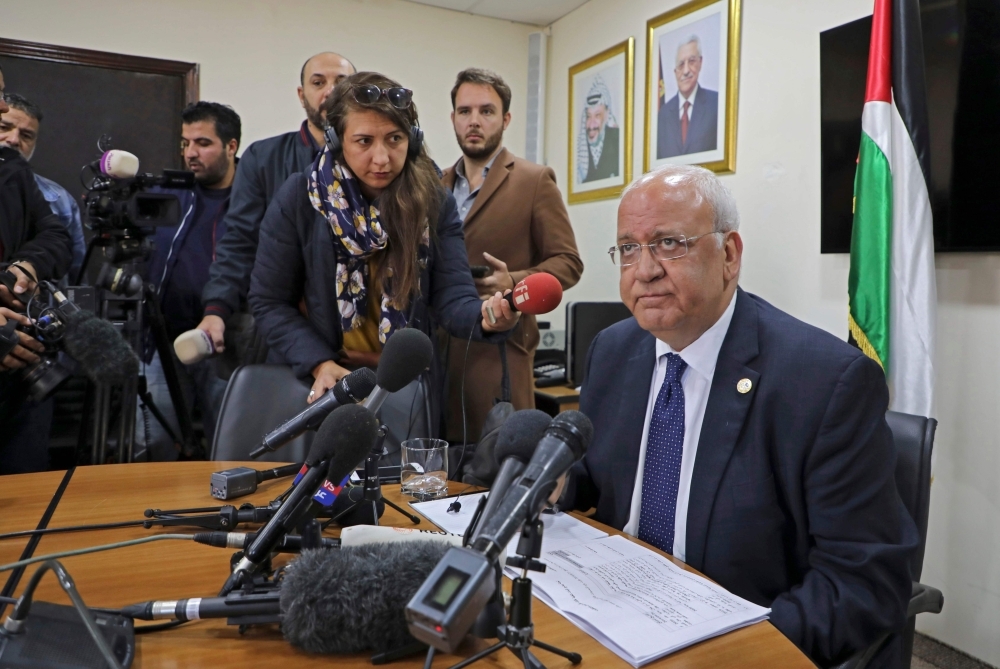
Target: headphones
x,y
412,151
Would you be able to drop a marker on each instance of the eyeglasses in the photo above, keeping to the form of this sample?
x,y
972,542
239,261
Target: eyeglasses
x,y
665,248
369,94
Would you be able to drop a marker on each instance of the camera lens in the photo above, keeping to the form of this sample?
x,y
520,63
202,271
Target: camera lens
x,y
119,280
44,377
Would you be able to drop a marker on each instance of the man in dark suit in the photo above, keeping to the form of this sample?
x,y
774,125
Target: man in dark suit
x,y
689,121
742,441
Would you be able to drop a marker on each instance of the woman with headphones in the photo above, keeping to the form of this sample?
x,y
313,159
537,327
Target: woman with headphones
x,y
364,243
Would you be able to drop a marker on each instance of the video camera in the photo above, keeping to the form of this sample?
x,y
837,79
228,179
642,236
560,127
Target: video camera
x,y
117,197
72,336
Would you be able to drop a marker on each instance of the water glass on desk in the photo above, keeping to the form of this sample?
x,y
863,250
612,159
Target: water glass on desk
x,y
424,468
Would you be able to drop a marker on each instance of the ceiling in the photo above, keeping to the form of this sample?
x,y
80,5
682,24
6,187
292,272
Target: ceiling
x,y
535,12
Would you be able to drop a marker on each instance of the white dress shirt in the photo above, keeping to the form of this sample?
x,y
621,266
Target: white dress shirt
x,y
701,356
681,100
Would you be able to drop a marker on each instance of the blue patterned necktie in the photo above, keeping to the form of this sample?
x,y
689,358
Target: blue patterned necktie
x,y
661,474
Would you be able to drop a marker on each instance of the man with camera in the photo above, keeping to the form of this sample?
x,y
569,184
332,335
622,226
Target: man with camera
x,y
264,167
34,245
210,137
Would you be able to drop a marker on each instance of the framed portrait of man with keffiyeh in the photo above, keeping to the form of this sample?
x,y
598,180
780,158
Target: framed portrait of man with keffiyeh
x,y
600,124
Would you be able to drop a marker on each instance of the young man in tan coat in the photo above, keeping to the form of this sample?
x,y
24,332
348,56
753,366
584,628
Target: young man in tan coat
x,y
515,224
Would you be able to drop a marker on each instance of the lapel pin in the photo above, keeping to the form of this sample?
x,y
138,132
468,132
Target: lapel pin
x,y
744,386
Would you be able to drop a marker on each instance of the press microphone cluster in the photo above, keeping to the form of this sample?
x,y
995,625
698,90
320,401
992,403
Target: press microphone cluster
x,y
343,440
448,602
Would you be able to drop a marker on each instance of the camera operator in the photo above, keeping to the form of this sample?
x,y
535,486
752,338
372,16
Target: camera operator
x,y
210,137
265,166
34,245
19,129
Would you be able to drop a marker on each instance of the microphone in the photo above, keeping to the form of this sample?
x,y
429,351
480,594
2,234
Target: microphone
x,y
95,344
516,443
320,602
193,346
405,355
291,543
197,608
345,438
349,390
361,535
565,441
117,164
537,293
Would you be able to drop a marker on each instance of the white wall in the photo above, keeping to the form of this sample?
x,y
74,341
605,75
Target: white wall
x,y
250,51
777,185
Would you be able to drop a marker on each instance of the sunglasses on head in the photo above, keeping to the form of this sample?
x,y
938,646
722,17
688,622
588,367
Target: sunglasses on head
x,y
369,94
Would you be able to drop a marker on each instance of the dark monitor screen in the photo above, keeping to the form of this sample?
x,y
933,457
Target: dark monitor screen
x,y
962,71
583,321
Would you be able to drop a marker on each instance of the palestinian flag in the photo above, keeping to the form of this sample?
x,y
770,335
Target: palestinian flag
x,y
891,288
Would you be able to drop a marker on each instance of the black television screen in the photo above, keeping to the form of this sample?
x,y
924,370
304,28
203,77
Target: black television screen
x,y
962,66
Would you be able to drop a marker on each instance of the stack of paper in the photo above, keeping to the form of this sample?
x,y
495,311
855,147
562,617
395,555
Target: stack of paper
x,y
634,601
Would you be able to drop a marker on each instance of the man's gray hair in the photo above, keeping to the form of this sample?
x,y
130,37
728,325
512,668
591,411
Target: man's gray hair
x,y
726,215
697,45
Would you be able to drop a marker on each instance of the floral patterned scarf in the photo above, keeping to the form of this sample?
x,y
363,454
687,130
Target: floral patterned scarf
x,y
335,193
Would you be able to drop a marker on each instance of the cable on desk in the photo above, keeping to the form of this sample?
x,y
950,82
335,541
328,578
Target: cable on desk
x,y
72,528
95,549
8,600
159,627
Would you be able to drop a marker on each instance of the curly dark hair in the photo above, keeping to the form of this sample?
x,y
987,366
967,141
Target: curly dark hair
x,y
410,202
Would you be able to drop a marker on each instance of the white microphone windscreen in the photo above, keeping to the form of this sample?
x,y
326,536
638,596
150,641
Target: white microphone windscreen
x,y
193,346
119,164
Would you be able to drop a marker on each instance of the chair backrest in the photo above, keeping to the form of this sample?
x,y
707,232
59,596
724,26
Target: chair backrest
x,y
914,437
258,399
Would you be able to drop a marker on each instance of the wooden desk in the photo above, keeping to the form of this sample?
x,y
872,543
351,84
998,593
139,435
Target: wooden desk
x,y
555,399
176,570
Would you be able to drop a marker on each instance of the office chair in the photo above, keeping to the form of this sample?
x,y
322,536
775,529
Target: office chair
x,y
258,399
914,437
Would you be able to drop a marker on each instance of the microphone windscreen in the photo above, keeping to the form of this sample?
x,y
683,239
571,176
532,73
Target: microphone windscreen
x,y
193,346
346,436
575,429
520,433
537,293
351,600
355,387
119,164
405,354
99,349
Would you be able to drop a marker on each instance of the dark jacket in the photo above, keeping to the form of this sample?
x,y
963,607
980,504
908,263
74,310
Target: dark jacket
x,y
263,168
703,126
29,230
164,261
793,501
296,262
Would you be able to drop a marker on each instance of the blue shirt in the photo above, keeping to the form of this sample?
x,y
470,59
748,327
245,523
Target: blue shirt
x,y
65,207
465,197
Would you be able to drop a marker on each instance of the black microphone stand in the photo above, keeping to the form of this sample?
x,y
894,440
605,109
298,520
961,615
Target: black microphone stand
x,y
518,634
372,486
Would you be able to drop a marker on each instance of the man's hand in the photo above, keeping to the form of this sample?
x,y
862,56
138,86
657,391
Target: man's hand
x,y
215,327
22,355
499,280
326,374
25,286
504,318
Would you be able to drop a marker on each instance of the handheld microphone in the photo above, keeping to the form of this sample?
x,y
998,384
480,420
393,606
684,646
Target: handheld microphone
x,y
565,441
117,164
349,390
193,346
537,293
405,355
322,612
516,442
345,437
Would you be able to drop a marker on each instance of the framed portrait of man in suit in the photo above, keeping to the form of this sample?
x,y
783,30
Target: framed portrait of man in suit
x,y
692,82
600,123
